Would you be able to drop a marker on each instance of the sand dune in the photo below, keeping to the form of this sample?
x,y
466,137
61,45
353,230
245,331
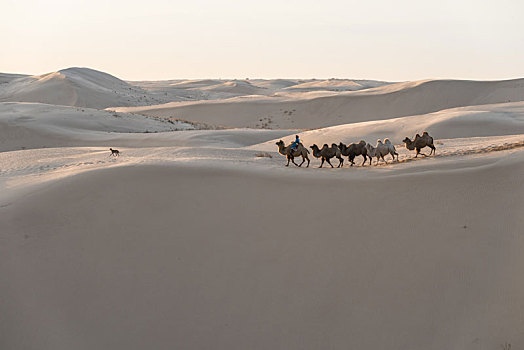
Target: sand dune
x,y
336,85
34,125
463,122
276,84
81,87
30,125
385,102
6,78
209,89
234,87
196,257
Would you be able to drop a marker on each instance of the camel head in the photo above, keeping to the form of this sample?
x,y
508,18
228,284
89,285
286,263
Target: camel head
x,y
407,140
280,143
370,149
314,146
342,146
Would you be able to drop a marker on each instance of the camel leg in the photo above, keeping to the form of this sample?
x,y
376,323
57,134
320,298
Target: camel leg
x,y
288,161
293,160
327,160
364,162
432,150
307,162
302,162
340,162
322,163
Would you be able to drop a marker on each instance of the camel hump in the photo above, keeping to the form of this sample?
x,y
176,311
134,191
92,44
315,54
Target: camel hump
x,y
425,133
386,141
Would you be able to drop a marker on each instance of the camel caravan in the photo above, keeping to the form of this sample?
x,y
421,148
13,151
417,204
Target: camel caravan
x,y
364,149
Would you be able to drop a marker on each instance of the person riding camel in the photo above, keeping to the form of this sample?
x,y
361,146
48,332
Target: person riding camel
x,y
294,145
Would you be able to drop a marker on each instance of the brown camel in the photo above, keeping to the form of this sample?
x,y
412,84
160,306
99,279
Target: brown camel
x,y
326,153
292,153
353,150
420,142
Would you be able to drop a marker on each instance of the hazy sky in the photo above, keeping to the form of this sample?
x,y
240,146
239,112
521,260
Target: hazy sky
x,y
161,39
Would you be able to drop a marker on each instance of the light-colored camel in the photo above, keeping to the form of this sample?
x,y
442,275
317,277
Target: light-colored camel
x,y
353,150
381,150
291,154
326,153
420,142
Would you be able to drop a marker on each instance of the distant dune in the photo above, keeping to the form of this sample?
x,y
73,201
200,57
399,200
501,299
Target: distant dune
x,y
81,87
314,111
217,89
336,85
6,78
234,87
463,122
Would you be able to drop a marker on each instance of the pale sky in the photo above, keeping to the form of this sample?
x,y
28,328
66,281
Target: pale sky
x,y
366,39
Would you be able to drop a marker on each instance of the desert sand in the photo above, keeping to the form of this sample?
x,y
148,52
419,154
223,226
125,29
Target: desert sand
x,y
197,237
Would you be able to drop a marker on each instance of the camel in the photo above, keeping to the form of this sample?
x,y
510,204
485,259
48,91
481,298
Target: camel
x,y
326,153
291,154
420,142
381,150
353,150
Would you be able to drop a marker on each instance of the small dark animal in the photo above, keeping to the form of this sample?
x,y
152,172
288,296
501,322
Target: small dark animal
x,y
419,143
114,152
353,150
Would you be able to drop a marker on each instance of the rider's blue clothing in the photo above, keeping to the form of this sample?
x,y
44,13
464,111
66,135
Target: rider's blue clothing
x,y
295,143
